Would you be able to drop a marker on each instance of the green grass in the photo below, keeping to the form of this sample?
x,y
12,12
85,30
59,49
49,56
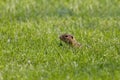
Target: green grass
x,y
30,46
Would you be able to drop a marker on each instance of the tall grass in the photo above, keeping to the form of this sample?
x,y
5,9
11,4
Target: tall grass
x,y
30,46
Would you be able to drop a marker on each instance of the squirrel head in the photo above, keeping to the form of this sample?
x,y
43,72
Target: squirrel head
x,y
66,38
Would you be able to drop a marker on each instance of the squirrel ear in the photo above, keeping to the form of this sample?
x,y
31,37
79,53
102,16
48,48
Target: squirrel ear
x,y
72,37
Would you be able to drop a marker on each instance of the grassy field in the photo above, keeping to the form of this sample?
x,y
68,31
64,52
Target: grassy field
x,y
30,46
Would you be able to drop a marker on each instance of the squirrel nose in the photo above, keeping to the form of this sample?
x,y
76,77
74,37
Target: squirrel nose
x,y
60,37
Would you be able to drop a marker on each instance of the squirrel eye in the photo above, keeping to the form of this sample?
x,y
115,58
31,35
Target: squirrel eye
x,y
66,36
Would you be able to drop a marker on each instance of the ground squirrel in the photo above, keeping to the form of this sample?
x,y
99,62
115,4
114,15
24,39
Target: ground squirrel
x,y
69,39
